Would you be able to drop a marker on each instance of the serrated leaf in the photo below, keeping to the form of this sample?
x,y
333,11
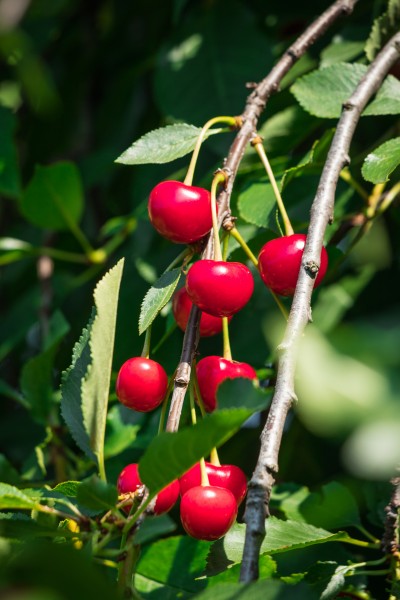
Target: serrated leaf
x,y
85,384
380,163
12,498
157,297
96,384
281,536
97,494
257,204
259,590
71,393
9,170
323,92
267,569
383,28
340,51
37,374
67,488
327,578
170,455
242,393
53,198
163,145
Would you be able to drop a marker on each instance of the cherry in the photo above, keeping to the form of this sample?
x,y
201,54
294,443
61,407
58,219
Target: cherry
x,y
141,384
229,477
207,512
280,261
213,370
219,288
129,481
179,212
181,307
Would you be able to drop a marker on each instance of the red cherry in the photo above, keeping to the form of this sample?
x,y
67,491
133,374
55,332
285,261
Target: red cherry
x,y
229,477
213,370
141,384
219,288
181,213
181,307
207,512
129,481
280,261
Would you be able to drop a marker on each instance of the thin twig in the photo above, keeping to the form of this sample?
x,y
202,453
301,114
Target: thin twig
x,y
255,105
321,214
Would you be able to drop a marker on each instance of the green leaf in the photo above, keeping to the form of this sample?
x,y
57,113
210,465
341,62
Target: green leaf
x,y
380,163
121,430
259,590
97,494
53,198
163,145
340,51
86,383
9,170
323,92
12,498
327,578
242,393
37,374
178,561
7,472
71,392
257,204
267,569
383,28
152,528
19,526
203,68
289,126
331,508
67,488
157,297
170,455
281,536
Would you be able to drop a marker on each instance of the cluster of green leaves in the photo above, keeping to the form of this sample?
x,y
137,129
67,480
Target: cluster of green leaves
x,y
73,217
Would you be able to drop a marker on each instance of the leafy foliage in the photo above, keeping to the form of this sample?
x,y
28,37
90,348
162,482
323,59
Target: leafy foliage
x,y
154,73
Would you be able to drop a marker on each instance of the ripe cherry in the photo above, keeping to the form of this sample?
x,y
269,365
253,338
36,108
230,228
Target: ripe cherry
x,y
181,213
129,481
229,477
181,307
213,370
219,288
141,384
280,260
207,512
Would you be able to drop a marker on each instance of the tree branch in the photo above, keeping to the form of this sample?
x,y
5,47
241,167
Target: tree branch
x,y
255,105
321,214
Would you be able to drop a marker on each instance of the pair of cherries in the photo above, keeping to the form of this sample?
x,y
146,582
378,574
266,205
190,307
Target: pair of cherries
x,y
207,512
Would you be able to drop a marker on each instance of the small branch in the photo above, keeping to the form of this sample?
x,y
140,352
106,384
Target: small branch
x,y
321,214
255,105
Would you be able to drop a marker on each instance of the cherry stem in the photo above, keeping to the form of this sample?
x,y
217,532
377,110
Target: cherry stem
x,y
225,337
192,403
225,246
233,121
214,458
204,477
146,346
348,178
261,153
235,233
219,177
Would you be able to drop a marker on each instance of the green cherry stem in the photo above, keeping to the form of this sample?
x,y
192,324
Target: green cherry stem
x,y
214,458
232,121
204,476
225,337
348,178
257,143
146,346
197,390
219,177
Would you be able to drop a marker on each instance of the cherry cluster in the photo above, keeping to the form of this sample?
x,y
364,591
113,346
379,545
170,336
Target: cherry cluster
x,y
183,214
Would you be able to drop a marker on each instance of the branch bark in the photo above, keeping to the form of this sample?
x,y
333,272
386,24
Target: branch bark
x,y
255,105
321,214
